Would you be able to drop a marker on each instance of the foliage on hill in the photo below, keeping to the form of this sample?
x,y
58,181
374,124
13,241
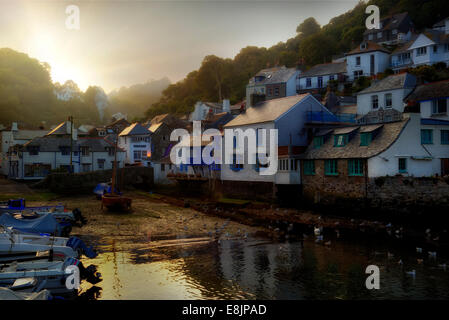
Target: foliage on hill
x,y
219,78
27,95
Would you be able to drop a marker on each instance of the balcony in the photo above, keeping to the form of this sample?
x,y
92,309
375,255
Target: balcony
x,y
324,117
401,63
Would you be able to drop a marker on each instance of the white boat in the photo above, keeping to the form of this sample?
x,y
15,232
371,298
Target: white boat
x,y
15,243
37,275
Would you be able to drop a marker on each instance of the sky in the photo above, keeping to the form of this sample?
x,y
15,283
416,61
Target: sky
x,y
120,43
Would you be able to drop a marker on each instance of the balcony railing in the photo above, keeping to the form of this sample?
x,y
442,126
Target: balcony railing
x,y
319,116
400,63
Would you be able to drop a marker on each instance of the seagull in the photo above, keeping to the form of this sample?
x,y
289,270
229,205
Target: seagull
x,y
317,231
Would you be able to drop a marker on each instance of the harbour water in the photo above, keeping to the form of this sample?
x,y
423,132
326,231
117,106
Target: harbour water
x,y
261,268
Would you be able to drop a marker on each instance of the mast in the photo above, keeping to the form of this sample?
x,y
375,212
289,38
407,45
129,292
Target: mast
x,y
114,169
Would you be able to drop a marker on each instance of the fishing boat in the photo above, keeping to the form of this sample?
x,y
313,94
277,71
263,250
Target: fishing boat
x,y
18,208
113,200
15,245
40,274
45,224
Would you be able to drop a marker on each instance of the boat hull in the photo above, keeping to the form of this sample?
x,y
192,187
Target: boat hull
x,y
116,202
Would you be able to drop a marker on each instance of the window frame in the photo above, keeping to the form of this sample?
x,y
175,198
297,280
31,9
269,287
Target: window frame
x,y
309,167
388,97
426,139
356,168
375,101
444,133
331,167
404,169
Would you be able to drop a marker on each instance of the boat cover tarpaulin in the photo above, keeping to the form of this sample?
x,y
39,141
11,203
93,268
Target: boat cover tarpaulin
x,y
45,224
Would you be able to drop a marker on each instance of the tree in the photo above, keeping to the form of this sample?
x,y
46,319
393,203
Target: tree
x,y
308,27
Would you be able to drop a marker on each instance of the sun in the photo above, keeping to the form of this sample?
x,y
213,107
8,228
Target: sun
x,y
62,67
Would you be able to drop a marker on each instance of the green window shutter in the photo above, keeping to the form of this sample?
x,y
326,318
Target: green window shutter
x,y
365,138
426,136
330,167
340,140
309,167
355,167
318,142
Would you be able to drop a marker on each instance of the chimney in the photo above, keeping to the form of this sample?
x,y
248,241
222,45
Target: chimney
x,y
14,127
226,105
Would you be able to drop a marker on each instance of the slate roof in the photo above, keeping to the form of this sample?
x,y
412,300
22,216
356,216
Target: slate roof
x,y
370,47
134,129
325,69
153,127
54,144
28,134
61,129
273,75
390,22
388,133
266,111
430,91
397,81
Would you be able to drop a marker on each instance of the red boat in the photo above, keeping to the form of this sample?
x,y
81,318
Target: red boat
x,y
113,201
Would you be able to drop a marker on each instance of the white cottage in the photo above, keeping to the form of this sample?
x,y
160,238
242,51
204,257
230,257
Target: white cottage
x,y
367,60
319,75
388,93
136,141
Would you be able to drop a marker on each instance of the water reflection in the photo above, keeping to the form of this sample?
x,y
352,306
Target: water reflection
x,y
260,269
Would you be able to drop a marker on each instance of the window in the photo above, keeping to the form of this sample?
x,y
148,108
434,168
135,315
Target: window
x,y
276,91
357,61
402,164
101,164
340,140
331,78
137,155
394,31
110,151
379,35
309,167
446,47
444,136
308,82
86,167
426,136
318,142
365,138
270,92
370,36
65,151
388,100
439,106
358,74
435,48
421,51
374,102
330,167
320,82
355,167
84,151
162,167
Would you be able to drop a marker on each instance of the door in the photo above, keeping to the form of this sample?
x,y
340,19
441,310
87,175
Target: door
x,y
372,64
445,167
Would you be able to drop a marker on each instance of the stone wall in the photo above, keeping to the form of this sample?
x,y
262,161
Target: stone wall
x,y
76,183
398,194
324,189
245,190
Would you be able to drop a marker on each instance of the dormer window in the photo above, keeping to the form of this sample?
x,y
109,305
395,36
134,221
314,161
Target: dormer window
x,y
340,140
363,46
365,138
